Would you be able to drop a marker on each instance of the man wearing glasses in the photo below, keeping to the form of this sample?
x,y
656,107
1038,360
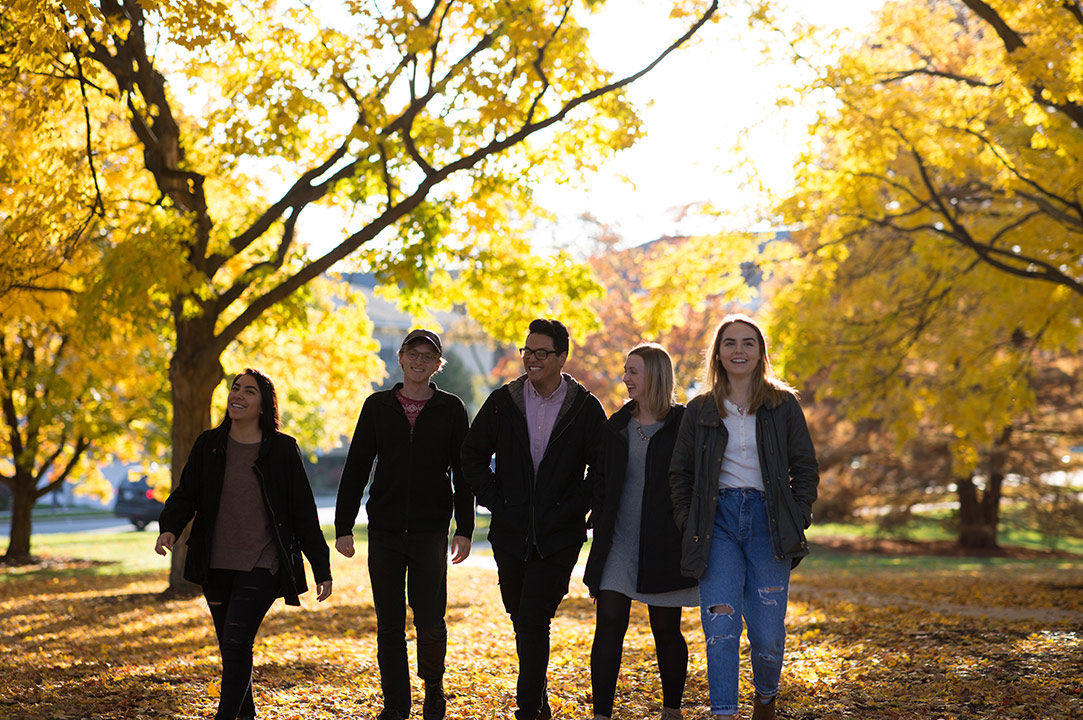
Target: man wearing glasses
x,y
414,433
543,429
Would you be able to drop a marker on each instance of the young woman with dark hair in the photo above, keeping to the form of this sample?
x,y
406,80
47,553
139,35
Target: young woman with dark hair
x,y
246,488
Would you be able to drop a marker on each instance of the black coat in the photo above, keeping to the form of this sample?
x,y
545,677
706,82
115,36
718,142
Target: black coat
x,y
787,464
548,511
416,468
659,537
287,497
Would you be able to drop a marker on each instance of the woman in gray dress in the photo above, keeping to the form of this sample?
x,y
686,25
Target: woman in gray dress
x,y
636,551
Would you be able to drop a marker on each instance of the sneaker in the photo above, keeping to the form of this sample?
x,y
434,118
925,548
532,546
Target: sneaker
x,y
670,714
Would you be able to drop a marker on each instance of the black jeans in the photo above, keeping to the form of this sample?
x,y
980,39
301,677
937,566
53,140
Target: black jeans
x,y
413,564
532,590
605,655
238,602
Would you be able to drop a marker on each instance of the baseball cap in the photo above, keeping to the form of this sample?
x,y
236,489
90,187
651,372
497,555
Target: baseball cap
x,y
423,334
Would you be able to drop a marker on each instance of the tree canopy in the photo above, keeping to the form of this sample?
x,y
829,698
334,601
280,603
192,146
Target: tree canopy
x,y
939,220
419,127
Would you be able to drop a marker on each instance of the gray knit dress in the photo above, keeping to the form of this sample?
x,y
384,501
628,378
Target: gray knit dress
x,y
622,565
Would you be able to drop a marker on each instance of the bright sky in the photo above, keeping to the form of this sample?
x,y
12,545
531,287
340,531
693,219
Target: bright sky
x,y
696,105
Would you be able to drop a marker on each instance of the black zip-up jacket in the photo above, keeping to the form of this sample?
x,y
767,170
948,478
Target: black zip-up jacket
x,y
548,511
659,537
787,463
287,497
418,478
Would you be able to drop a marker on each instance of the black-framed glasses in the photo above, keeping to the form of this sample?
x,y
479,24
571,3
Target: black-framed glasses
x,y
540,354
414,356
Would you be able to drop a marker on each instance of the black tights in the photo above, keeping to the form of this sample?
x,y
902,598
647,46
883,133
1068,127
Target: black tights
x,y
612,623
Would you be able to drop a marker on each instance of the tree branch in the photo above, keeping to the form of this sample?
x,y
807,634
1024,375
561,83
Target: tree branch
x,y
929,71
1012,41
1001,259
395,212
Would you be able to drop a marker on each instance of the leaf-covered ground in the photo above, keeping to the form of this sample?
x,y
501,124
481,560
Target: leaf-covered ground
x,y
870,637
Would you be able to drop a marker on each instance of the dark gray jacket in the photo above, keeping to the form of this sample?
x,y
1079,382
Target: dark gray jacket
x,y
790,477
546,510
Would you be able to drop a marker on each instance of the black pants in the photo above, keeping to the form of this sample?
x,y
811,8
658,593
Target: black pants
x,y
413,564
238,602
532,590
605,655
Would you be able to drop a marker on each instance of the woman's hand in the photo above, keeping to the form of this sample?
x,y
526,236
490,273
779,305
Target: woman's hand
x,y
323,590
165,542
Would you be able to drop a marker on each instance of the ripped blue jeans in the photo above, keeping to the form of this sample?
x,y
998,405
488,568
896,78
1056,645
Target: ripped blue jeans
x,y
743,581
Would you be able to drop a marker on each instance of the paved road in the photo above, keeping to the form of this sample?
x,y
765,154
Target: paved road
x,y
108,524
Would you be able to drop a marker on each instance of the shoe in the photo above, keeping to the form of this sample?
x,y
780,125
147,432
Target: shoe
x,y
761,711
435,706
670,714
390,714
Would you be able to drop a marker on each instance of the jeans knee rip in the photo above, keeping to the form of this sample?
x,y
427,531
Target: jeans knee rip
x,y
720,610
766,592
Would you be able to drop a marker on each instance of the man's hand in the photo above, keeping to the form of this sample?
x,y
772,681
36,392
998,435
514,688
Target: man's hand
x,y
460,549
344,545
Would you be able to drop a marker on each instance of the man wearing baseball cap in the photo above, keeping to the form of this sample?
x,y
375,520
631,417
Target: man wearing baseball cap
x,y
413,433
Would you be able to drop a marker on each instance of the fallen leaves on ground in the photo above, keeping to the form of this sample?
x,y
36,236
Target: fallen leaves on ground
x,y
866,641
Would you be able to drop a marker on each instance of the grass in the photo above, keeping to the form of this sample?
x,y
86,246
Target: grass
x,y
940,527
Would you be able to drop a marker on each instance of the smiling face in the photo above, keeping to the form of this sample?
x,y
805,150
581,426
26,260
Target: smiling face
x,y
244,402
419,361
635,377
544,374
739,350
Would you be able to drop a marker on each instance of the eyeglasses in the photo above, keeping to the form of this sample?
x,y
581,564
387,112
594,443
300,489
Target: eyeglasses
x,y
540,354
414,356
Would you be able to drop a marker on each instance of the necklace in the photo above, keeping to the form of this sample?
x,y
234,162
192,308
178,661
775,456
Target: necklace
x,y
643,435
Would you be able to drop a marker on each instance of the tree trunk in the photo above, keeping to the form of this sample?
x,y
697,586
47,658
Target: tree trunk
x,y
194,373
979,517
22,503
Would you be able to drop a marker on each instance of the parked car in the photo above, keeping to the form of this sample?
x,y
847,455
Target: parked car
x,y
136,501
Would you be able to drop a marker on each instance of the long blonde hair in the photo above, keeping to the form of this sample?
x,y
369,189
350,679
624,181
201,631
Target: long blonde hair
x,y
766,387
658,395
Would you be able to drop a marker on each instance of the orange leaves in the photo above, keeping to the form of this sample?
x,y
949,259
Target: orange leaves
x,y
868,638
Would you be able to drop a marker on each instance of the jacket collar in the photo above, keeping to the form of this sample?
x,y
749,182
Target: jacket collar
x,y
619,420
389,396
220,439
705,409
576,393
